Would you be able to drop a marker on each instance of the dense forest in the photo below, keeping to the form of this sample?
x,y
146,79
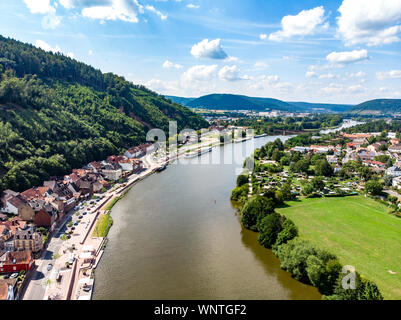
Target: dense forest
x,y
58,114
377,107
271,125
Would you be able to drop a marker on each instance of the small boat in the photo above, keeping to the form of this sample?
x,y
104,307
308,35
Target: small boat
x,y
261,135
198,153
162,168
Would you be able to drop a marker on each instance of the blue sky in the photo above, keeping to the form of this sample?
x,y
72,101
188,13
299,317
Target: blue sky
x,y
344,51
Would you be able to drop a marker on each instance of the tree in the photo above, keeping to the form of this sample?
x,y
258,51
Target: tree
x,y
269,228
301,166
374,187
318,183
308,189
254,210
323,168
388,180
365,290
288,232
286,191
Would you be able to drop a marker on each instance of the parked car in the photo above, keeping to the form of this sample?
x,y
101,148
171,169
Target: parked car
x,y
80,217
49,267
84,213
76,223
14,275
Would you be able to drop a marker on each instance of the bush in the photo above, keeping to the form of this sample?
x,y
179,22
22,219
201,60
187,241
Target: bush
x,y
239,192
241,180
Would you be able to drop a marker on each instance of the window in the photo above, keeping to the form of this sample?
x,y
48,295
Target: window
x,y
14,268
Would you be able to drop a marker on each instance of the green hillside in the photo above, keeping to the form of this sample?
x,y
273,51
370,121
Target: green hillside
x,y
378,106
58,114
237,102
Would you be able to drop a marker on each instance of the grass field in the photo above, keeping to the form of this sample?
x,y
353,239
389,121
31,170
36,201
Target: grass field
x,y
359,231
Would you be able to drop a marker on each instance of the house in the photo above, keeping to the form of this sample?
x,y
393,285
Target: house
x,y
18,206
332,159
28,239
394,171
45,218
375,147
126,165
301,149
5,235
395,148
391,135
395,141
357,136
397,182
139,151
96,166
85,187
112,173
12,262
8,289
375,164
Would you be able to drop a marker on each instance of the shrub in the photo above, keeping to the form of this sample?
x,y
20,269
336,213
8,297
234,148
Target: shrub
x,y
241,180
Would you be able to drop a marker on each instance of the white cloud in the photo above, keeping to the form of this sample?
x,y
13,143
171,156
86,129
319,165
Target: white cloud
x,y
359,74
51,21
154,10
123,10
327,76
310,74
199,73
209,49
263,36
304,23
231,73
346,57
168,65
39,6
392,74
370,22
90,52
193,6
261,64
47,47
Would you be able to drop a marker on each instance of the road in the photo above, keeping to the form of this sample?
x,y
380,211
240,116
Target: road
x,y
37,285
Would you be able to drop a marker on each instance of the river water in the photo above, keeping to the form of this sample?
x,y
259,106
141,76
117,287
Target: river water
x,y
176,235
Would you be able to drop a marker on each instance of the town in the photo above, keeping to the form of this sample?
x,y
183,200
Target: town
x,y
63,209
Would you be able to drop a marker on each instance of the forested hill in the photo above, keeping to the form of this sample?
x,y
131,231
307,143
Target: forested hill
x,y
378,106
238,102
57,114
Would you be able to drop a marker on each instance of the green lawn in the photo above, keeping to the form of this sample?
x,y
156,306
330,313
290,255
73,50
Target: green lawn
x,y
359,231
103,226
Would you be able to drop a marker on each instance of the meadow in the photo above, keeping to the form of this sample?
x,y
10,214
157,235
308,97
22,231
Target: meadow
x,y
359,230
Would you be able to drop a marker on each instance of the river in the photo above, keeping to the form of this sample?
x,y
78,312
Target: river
x,y
176,235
